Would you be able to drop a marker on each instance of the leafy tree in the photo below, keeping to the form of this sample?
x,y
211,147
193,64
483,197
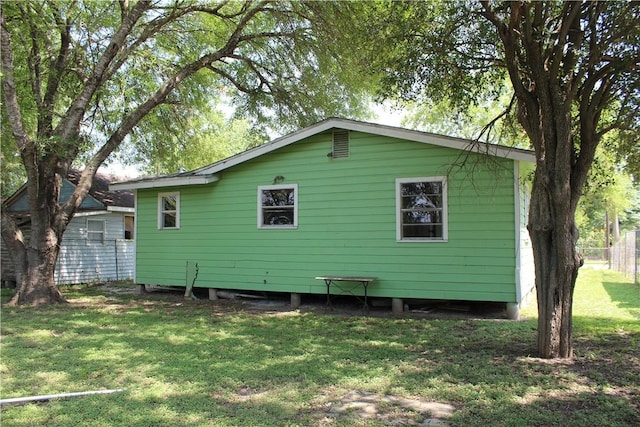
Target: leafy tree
x,y
80,79
573,68
603,209
11,171
490,121
203,139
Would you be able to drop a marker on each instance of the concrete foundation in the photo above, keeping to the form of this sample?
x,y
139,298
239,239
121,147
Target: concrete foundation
x,y
213,294
142,289
513,311
296,299
397,306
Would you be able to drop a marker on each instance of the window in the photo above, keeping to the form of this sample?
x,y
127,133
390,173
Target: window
x,y
278,206
421,209
129,227
95,231
168,211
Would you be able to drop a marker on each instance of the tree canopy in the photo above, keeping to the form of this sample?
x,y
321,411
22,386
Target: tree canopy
x,y
89,72
573,71
82,79
592,48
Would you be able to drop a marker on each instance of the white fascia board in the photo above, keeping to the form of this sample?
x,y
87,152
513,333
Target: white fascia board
x,y
88,213
160,182
120,209
439,140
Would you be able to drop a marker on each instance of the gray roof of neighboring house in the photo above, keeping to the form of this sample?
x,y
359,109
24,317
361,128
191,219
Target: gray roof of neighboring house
x,y
100,196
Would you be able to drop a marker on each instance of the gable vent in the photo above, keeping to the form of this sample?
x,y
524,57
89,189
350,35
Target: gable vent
x,y
340,144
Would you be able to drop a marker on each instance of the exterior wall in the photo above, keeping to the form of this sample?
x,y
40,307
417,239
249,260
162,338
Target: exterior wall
x,y
346,224
82,261
7,269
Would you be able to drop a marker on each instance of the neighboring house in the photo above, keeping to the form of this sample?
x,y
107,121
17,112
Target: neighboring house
x,y
430,216
98,243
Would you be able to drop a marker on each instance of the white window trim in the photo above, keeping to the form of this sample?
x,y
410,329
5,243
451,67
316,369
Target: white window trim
x,y
161,211
445,213
104,232
261,188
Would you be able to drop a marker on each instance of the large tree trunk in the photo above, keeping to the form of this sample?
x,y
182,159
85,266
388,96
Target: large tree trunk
x,y
36,283
553,237
35,256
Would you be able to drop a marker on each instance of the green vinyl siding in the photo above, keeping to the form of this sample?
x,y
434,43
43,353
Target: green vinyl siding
x,y
346,224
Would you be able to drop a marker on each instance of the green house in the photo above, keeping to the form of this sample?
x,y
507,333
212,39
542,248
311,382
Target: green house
x,y
424,216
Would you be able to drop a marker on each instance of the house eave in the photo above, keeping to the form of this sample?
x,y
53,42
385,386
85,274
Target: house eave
x,y
207,174
376,129
164,181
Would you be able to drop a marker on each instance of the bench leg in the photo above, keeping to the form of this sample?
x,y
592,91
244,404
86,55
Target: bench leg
x,y
328,283
366,303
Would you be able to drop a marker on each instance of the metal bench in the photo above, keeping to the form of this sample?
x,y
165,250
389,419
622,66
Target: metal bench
x,y
333,280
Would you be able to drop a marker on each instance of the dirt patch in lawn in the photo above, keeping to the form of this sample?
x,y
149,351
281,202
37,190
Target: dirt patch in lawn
x,y
388,410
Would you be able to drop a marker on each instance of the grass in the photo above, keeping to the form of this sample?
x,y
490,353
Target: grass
x,y
205,363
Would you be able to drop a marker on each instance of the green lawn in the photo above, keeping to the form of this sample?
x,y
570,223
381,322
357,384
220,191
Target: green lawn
x,y
217,364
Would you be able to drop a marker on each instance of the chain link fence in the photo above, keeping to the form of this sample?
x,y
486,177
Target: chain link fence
x,y
594,253
625,255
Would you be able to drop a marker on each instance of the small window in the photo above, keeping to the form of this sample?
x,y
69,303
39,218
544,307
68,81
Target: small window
x,y
169,211
421,209
278,206
129,227
95,231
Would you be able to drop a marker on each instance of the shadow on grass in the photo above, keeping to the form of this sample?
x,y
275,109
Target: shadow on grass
x,y
212,363
626,296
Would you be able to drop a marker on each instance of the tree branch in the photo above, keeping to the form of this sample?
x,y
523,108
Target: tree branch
x,y
486,129
569,31
12,106
68,128
157,98
45,122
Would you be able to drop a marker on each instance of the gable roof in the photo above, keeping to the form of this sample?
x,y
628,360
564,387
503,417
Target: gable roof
x,y
207,174
100,196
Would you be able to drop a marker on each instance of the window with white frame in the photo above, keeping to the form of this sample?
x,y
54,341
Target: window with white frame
x,y
168,211
421,209
95,231
278,206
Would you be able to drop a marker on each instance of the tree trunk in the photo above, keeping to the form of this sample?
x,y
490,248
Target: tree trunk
x,y
35,256
35,277
553,237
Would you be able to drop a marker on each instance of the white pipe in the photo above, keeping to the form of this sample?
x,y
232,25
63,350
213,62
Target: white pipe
x,y
21,400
